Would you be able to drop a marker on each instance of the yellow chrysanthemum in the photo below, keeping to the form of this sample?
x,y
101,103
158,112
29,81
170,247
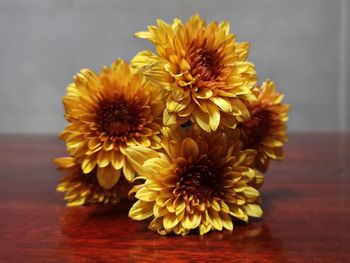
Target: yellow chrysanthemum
x,y
83,188
202,181
108,113
203,71
266,130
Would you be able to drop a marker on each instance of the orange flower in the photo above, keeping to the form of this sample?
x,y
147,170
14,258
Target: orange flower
x,y
83,188
266,130
202,70
108,113
202,181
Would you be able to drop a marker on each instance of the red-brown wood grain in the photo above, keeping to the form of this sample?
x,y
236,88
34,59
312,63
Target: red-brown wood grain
x,y
305,200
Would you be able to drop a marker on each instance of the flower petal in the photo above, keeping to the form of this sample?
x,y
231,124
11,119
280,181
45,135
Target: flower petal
x,y
214,116
226,221
202,119
170,220
204,93
137,155
141,210
189,149
103,158
128,171
108,176
88,164
64,162
146,194
222,103
215,219
117,159
253,210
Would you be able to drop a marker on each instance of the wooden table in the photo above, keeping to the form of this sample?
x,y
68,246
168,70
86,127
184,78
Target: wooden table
x,y
306,201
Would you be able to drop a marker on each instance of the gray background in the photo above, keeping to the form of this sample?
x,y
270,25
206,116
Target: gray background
x,y
301,44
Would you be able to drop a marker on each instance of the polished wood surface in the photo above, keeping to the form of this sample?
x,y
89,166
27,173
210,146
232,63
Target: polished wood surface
x,y
306,202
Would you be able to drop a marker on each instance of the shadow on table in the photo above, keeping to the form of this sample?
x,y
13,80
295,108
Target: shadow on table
x,y
278,195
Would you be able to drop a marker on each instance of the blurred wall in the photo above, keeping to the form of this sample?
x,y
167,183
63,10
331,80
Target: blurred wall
x,y
302,45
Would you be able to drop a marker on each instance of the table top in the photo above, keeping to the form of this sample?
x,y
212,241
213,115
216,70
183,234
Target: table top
x,y
305,202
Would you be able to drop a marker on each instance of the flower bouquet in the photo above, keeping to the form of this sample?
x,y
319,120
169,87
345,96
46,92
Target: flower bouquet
x,y
185,132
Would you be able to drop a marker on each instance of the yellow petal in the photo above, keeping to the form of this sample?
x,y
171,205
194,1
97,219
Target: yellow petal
x,y
219,37
161,200
226,221
240,110
170,69
75,141
204,93
141,210
108,177
153,186
203,229
76,202
253,210
169,119
103,158
258,180
137,155
272,142
251,192
189,149
88,165
117,159
267,90
176,106
238,213
108,145
223,104
179,94
202,119
274,153
215,219
179,204
186,112
242,49
170,220
170,204
159,211
225,25
191,221
214,116
215,205
143,141
224,207
146,195
62,187
94,143
64,162
128,171
143,34
142,58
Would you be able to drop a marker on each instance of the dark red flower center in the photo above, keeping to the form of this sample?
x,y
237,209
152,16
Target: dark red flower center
x,y
257,128
120,119
202,179
205,63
